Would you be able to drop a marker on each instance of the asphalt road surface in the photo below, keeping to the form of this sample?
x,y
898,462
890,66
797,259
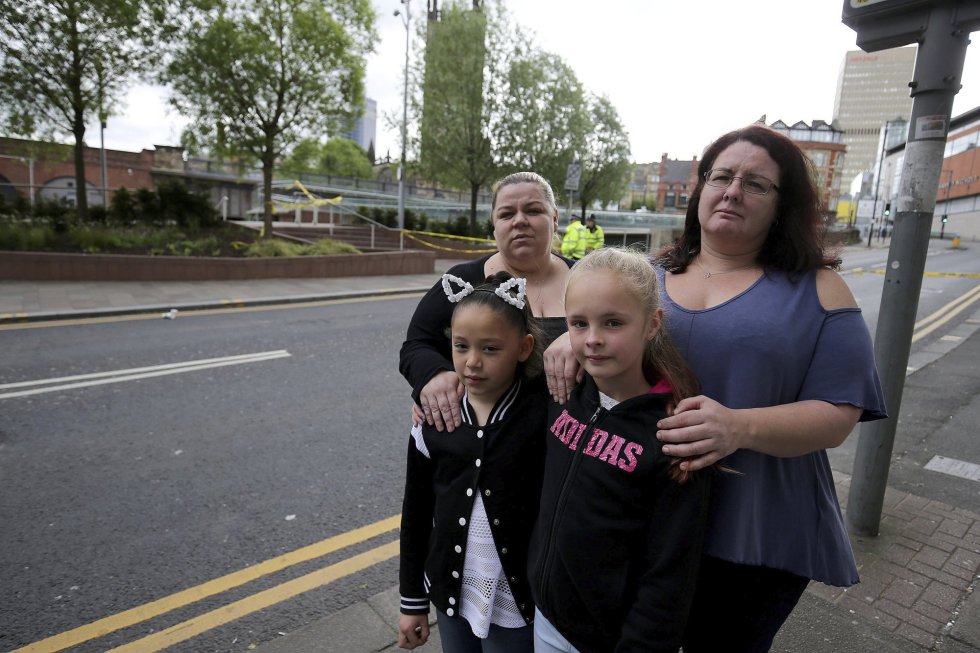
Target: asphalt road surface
x,y
204,483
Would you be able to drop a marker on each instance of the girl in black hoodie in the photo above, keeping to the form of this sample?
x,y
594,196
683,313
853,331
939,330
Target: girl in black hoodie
x,y
614,554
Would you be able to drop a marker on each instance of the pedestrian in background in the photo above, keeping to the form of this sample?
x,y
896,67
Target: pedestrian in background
x,y
786,367
594,238
573,244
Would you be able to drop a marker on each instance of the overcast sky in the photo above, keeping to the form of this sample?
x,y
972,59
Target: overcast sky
x,y
679,72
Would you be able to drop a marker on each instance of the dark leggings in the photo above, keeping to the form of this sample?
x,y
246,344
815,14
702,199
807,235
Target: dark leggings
x,y
739,608
458,637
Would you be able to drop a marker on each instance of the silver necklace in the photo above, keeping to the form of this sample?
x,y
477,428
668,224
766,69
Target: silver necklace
x,y
708,274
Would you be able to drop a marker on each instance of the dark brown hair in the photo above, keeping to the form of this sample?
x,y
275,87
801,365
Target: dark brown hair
x,y
795,241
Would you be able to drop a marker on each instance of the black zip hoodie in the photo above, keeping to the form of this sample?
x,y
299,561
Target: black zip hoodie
x,y
615,551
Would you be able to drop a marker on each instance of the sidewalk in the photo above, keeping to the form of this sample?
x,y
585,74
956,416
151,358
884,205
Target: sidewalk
x,y
919,575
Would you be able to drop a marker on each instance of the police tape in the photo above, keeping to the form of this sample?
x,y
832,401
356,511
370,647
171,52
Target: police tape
x,y
450,249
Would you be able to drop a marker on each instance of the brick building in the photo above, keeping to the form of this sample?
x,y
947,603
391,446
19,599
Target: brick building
x,y
47,171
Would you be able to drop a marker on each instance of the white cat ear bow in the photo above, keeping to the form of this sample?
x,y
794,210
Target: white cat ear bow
x,y
511,291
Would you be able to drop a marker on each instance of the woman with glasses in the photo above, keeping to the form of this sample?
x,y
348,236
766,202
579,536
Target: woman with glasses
x,y
786,368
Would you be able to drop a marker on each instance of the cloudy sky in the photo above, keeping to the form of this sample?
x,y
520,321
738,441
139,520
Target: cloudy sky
x,y
679,72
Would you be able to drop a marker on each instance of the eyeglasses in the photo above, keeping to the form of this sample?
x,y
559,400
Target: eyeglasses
x,y
752,184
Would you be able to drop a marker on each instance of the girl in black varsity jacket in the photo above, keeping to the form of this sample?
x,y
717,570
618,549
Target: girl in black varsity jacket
x,y
615,551
471,495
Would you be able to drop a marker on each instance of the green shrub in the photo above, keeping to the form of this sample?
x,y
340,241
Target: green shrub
x,y
95,239
148,209
185,208
122,208
25,237
326,246
273,247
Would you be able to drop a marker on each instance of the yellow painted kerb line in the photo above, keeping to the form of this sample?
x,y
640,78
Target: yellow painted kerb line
x,y
193,627
156,608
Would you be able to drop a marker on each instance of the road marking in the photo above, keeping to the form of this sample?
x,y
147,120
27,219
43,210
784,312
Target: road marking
x,y
137,370
120,376
945,314
953,467
183,598
193,627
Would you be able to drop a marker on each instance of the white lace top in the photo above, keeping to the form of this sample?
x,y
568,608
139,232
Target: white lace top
x,y
486,597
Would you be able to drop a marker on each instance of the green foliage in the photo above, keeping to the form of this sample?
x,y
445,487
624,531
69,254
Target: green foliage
x,y
327,246
270,247
457,105
184,207
63,63
256,76
546,122
339,157
606,166
122,207
16,237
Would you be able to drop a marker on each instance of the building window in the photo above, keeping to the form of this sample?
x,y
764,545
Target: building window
x,y
682,200
669,200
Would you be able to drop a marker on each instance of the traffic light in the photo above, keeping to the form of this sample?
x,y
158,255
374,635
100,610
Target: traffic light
x,y
888,209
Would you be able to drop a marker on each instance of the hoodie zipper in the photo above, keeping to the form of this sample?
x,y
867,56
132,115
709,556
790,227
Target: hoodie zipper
x,y
563,495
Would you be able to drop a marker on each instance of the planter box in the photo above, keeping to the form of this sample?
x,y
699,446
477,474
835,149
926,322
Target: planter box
x,y
46,266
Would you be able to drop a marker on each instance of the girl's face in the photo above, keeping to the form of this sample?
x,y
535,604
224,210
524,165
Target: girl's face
x,y
523,221
486,351
609,330
731,215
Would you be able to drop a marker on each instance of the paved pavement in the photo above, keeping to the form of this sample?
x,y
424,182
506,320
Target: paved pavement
x,y
919,576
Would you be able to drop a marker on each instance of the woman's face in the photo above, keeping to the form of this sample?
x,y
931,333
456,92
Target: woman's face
x,y
523,222
731,216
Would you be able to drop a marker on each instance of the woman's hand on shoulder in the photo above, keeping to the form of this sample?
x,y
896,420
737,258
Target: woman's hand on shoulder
x,y
440,401
561,369
701,431
413,630
833,291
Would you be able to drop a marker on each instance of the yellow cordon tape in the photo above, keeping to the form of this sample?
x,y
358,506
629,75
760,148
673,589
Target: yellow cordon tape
x,y
450,249
314,201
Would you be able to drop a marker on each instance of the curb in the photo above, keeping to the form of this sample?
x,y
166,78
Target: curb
x,y
51,316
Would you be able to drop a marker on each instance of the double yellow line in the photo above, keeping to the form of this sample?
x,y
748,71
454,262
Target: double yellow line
x,y
228,613
927,325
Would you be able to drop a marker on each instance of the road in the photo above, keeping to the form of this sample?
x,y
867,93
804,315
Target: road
x,y
211,506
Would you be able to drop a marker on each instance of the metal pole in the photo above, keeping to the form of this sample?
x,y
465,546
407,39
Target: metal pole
x,y
105,181
938,69
942,222
881,158
407,21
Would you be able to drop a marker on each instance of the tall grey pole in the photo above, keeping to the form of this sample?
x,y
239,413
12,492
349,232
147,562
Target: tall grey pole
x,y
938,69
407,20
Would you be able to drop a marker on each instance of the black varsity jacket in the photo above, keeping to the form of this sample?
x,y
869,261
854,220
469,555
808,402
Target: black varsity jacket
x,y
614,556
502,462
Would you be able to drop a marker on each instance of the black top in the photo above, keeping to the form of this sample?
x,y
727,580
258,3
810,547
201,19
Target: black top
x,y
615,552
501,462
426,350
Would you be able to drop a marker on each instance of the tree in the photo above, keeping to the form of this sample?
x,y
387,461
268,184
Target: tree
x,y
606,167
341,157
259,74
61,61
546,121
460,69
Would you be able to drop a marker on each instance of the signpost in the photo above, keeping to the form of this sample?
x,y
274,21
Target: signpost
x,y
942,29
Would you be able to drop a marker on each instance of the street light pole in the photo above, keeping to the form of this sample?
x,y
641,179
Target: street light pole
x,y
407,21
